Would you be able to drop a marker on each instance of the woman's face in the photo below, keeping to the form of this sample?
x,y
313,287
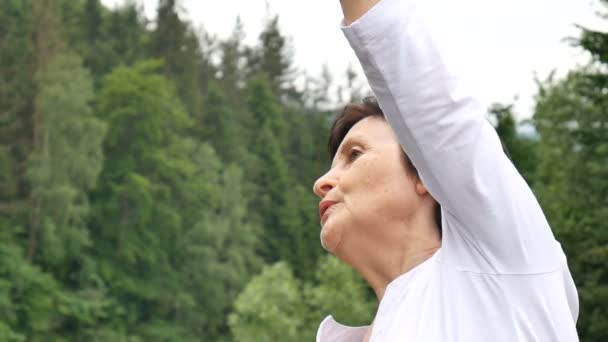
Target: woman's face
x,y
367,191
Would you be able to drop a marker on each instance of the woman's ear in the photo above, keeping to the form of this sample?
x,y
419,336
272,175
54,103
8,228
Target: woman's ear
x,y
420,188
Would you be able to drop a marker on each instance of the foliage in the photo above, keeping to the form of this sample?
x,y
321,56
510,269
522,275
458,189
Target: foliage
x,y
521,149
66,161
270,308
572,119
275,305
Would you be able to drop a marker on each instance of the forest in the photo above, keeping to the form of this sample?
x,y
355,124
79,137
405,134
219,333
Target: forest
x,y
156,181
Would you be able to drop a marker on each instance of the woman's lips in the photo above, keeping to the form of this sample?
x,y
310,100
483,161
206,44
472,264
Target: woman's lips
x,y
324,206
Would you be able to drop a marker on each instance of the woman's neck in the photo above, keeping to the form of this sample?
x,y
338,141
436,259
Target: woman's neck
x,y
380,262
379,278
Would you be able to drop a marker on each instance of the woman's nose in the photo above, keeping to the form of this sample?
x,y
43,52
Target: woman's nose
x,y
324,184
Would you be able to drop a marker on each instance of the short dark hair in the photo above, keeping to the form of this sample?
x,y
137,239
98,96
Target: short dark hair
x,y
350,116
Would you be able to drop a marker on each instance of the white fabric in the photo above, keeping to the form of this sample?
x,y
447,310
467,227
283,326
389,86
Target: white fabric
x,y
500,275
330,330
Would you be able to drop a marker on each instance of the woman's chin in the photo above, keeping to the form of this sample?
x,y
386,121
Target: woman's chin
x,y
330,237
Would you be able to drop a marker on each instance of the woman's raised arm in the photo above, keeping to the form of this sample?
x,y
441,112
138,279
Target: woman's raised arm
x,y
491,219
354,9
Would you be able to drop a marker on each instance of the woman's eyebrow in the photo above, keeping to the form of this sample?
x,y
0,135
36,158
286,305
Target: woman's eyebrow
x,y
353,140
347,144
344,146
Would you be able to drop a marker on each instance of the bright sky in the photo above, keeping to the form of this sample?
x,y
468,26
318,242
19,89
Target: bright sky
x,y
518,39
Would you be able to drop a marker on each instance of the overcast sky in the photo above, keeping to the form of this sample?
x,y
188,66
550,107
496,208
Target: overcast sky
x,y
517,39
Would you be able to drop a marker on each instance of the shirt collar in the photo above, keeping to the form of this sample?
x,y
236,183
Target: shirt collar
x,y
332,331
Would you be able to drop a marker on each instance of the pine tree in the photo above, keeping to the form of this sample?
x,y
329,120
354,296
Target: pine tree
x,y
283,207
107,39
221,126
17,89
270,177
175,42
232,66
273,59
227,122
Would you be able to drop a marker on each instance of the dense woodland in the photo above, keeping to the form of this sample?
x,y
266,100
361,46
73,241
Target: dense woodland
x,y
155,181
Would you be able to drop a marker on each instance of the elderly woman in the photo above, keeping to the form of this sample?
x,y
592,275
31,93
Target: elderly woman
x,y
421,200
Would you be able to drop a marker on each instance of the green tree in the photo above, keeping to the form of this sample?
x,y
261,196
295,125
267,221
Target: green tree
x,y
17,88
28,296
61,170
52,155
270,178
173,237
574,114
125,30
233,60
227,121
221,126
338,290
136,223
92,21
105,38
571,118
273,59
66,164
221,248
275,305
596,42
270,308
521,149
174,41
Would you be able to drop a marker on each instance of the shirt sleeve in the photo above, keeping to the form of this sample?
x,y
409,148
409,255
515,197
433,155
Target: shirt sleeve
x,y
491,220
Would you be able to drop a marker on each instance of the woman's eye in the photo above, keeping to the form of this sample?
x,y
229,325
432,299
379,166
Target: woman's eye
x,y
354,154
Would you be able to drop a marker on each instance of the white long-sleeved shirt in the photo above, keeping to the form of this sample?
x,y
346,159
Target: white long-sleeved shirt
x,y
499,275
